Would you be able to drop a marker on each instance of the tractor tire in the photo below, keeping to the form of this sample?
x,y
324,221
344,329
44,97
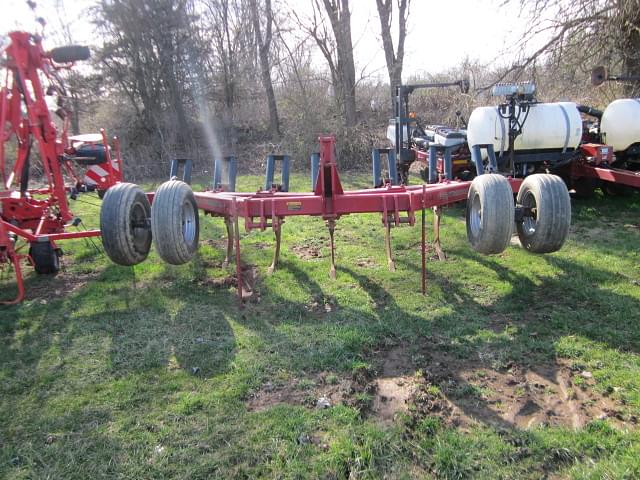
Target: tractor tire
x,y
174,222
70,53
46,259
124,222
547,228
490,213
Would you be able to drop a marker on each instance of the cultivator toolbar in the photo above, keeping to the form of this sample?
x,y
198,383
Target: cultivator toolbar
x,y
37,218
542,213
268,209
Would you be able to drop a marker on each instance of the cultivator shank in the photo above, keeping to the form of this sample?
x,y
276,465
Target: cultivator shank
x,y
267,209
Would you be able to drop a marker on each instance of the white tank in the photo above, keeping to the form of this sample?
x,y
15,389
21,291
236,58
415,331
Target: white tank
x,y
620,124
548,126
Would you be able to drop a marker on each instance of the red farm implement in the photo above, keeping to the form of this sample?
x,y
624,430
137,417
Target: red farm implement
x,y
130,219
37,217
519,137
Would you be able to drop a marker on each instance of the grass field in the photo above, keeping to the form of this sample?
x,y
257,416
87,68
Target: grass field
x,y
513,366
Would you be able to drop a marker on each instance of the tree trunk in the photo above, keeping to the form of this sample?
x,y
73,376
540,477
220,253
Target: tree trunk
x,y
340,16
264,44
393,59
631,46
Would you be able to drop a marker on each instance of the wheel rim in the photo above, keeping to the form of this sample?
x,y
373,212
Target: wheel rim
x,y
529,223
139,227
475,216
188,222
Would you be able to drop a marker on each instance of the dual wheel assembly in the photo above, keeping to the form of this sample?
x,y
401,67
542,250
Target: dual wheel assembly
x,y
129,223
541,213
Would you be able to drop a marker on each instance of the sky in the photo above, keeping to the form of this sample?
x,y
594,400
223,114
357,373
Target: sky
x,y
441,33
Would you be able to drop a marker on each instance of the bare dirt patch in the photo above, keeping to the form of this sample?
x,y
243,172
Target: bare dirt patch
x,y
321,304
366,263
52,287
304,392
307,252
497,322
217,243
546,394
249,280
382,396
462,392
395,386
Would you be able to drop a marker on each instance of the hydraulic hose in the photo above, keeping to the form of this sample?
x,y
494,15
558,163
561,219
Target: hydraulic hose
x,y
592,112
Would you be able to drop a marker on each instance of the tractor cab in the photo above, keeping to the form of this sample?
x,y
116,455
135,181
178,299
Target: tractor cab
x,y
440,149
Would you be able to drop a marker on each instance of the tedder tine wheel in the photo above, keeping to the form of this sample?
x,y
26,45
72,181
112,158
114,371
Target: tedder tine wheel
x,y
490,213
174,222
546,213
46,259
124,222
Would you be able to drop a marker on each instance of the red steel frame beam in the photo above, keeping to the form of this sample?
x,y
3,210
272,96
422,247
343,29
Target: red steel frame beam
x,y
26,60
615,175
9,255
264,205
53,237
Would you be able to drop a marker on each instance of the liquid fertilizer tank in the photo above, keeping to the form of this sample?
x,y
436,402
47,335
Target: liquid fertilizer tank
x,y
547,127
620,124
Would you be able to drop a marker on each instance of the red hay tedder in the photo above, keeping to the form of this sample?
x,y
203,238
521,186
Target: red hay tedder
x,y
38,217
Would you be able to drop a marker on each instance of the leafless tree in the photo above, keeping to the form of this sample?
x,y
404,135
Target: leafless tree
x,y
80,87
337,49
229,59
394,58
145,54
264,37
583,33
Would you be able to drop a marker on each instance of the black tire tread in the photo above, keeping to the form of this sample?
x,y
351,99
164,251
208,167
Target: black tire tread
x,y
498,211
70,53
166,222
117,239
46,259
553,213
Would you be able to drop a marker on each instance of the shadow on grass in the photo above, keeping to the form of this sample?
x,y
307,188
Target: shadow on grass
x,y
144,327
171,322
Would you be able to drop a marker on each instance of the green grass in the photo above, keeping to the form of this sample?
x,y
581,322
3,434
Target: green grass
x,y
146,372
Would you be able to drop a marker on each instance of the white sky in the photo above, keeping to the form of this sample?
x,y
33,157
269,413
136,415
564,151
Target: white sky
x,y
442,33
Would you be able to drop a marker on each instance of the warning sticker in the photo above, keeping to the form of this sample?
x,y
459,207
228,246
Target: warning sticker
x,y
293,206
